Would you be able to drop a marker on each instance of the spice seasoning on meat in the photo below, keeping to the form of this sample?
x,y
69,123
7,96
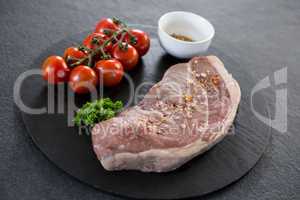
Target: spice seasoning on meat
x,y
188,98
215,79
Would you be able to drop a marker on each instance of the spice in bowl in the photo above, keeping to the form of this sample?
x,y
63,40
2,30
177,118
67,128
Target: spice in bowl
x,y
182,37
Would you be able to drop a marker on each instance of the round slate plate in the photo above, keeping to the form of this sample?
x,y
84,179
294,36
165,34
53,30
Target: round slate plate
x,y
222,165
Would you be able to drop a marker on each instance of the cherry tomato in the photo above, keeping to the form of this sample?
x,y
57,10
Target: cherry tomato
x,y
142,44
72,54
110,70
106,24
82,78
88,41
129,57
55,70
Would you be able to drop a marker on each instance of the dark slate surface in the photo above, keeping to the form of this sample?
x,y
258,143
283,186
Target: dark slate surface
x,y
224,164
262,35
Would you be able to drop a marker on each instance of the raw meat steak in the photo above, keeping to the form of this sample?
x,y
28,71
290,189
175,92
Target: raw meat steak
x,y
182,116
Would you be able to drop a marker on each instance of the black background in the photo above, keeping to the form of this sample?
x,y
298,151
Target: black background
x,y
263,36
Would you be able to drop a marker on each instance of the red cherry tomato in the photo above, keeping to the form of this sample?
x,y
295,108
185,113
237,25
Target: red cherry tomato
x,y
110,70
72,54
142,44
106,24
127,56
55,70
82,78
88,41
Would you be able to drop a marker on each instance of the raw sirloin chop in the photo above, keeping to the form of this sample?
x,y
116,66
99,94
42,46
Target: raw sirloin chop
x,y
182,116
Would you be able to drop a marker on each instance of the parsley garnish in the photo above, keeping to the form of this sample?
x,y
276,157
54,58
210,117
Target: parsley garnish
x,y
96,111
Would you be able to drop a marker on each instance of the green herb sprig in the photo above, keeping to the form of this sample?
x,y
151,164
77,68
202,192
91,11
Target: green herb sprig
x,y
96,111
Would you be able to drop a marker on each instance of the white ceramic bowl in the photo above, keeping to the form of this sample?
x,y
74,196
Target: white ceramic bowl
x,y
187,24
